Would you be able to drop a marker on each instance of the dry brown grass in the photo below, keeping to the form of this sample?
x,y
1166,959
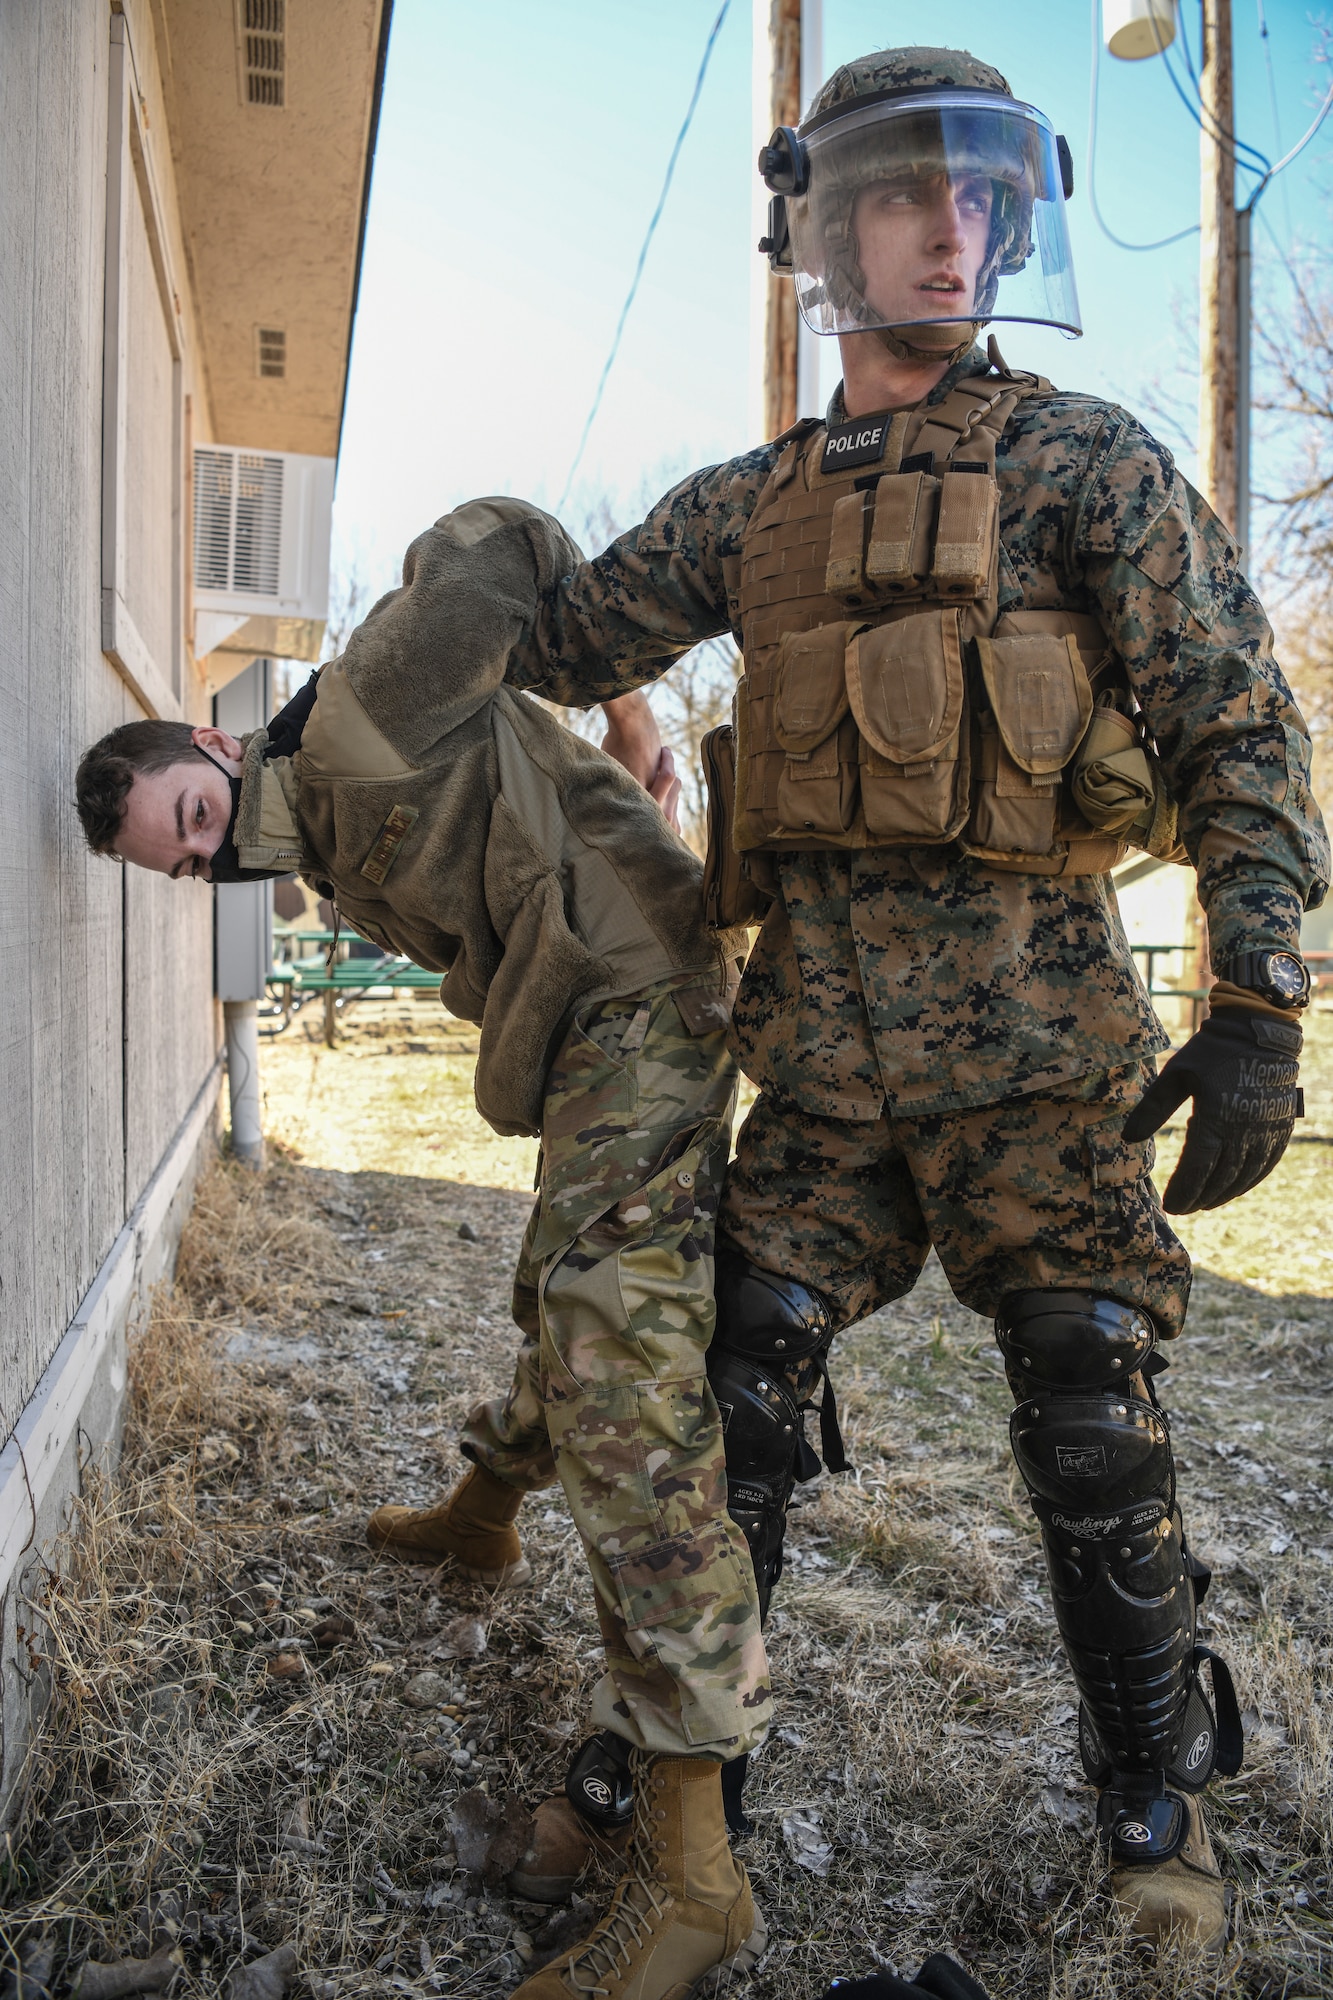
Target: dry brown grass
x,y
328,1329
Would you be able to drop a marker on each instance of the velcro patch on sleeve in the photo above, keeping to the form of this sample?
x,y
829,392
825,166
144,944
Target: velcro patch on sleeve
x,y
388,842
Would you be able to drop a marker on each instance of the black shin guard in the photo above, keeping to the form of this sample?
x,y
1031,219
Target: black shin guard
x,y
1094,1449
764,1363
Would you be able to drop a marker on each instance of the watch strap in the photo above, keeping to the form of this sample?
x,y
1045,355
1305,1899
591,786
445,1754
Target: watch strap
x,y
1247,969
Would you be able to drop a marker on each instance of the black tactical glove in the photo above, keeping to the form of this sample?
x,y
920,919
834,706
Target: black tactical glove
x,y
939,1979
1241,1070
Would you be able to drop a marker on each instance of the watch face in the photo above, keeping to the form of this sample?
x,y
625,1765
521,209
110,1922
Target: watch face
x,y
1286,975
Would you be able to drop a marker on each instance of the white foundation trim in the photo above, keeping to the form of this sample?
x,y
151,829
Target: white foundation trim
x,y
37,1449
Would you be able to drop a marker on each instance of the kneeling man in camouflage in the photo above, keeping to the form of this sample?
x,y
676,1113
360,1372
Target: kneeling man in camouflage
x,y
453,819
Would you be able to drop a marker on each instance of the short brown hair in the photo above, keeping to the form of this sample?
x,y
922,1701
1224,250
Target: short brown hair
x,y
107,771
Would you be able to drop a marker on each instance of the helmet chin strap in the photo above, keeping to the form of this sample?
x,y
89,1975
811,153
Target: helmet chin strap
x,y
929,342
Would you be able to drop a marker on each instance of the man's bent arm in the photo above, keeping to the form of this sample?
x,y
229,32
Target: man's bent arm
x,y
618,622
1234,747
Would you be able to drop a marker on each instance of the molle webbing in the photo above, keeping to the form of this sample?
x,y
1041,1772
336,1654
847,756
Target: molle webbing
x,y
867,714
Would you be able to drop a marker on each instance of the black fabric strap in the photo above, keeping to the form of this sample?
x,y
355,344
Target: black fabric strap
x,y
1230,1749
831,1448
288,725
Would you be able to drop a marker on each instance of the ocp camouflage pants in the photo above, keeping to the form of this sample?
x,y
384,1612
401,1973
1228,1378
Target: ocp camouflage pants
x,y
1037,1192
614,1295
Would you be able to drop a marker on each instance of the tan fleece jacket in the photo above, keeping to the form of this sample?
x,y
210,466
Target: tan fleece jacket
x,y
458,822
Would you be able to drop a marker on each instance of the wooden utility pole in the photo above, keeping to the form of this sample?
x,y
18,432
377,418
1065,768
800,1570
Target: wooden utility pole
x,y
780,314
1220,414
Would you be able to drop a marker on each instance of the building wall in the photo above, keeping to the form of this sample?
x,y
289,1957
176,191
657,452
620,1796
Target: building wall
x,y
107,1030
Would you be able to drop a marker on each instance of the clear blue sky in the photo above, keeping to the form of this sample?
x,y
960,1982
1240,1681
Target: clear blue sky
x,y
522,147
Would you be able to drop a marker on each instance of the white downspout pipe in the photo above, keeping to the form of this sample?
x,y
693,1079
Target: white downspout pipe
x,y
241,1020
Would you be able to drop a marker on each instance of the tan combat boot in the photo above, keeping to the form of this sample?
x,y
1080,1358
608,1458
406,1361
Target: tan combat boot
x,y
681,1911
562,1846
475,1526
1184,1897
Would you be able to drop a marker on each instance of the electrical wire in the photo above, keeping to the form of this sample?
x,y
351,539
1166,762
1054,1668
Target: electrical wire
x,y
1265,170
1267,41
1204,120
643,253
1299,147
1119,241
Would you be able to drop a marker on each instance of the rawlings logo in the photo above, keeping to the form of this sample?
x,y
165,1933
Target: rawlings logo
x,y
1080,1461
1199,1749
1135,1832
1087,1526
597,1790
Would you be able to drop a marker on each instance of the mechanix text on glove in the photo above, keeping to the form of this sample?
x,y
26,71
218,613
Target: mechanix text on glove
x,y
1241,1069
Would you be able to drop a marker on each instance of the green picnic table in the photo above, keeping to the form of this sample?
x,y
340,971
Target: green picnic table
x,y
345,980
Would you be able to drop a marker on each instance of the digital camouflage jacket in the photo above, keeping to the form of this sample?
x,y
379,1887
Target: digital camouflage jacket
x,y
922,977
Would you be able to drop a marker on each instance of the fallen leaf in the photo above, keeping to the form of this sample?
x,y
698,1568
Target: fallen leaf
x,y
31,1978
264,1978
919,1894
806,1841
127,1975
489,1834
287,1666
464,1639
333,1631
1069,1807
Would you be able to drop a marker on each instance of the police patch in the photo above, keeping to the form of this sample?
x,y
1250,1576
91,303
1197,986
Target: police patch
x,y
860,442
388,841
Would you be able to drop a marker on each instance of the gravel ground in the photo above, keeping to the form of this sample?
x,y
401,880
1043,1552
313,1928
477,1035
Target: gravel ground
x,y
260,1735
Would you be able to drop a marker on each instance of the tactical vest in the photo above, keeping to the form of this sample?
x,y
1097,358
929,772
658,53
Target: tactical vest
x,y
885,702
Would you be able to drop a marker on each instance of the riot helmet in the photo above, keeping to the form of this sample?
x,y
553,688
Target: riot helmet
x,y
918,199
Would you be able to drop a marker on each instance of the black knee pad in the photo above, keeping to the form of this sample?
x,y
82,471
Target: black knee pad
x,y
772,1334
1094,1450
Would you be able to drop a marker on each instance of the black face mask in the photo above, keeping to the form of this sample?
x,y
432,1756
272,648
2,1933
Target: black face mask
x,y
225,863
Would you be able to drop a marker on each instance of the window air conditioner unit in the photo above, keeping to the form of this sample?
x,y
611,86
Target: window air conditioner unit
x,y
262,523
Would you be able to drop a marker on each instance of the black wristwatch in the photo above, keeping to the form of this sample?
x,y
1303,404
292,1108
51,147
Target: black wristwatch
x,y
1280,977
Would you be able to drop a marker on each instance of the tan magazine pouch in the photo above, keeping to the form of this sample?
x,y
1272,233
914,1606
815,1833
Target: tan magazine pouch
x,y
1040,703
905,687
816,791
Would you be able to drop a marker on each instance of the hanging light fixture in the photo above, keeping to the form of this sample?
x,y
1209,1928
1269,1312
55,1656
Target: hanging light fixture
x,y
1133,29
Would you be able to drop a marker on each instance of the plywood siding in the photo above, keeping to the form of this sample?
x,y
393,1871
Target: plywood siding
x,y
169,1033
69,924
152,471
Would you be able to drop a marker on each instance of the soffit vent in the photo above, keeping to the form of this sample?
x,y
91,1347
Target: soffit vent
x,y
264,51
271,352
237,521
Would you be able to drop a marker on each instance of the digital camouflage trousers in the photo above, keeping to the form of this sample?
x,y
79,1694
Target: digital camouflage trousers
x,y
1038,1192
614,1297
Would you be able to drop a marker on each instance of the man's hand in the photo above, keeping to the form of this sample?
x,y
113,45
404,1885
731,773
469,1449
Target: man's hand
x,y
1241,1069
634,740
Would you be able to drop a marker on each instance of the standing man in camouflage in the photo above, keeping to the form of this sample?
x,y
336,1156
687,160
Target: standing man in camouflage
x,y
991,637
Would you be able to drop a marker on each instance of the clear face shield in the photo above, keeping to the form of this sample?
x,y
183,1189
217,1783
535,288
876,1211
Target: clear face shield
x,y
938,207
